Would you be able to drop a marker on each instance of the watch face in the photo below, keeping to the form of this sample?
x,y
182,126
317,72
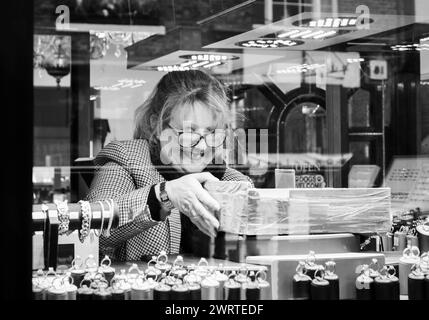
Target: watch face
x,y
164,197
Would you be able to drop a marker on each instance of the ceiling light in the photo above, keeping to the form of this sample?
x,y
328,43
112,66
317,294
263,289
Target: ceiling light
x,y
300,68
199,64
188,63
355,60
325,35
344,22
208,57
410,47
305,34
273,43
336,23
329,22
212,64
300,34
315,33
122,83
288,33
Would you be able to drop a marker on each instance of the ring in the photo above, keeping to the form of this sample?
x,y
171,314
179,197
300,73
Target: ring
x,y
259,277
74,262
203,261
311,258
415,251
320,270
106,259
133,267
391,271
330,267
186,208
153,260
193,215
178,260
300,269
374,262
162,254
93,266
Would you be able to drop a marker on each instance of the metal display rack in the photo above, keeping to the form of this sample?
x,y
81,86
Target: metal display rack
x,y
45,218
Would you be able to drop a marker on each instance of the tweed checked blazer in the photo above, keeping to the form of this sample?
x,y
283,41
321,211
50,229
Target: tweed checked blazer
x,y
125,174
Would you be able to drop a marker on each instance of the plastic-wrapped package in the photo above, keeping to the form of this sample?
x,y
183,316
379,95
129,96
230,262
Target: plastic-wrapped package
x,y
232,197
245,210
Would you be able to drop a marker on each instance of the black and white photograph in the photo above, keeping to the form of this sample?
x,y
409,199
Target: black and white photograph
x,y
215,158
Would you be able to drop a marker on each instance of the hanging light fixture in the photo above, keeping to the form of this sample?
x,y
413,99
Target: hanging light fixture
x,y
98,45
100,41
52,53
57,64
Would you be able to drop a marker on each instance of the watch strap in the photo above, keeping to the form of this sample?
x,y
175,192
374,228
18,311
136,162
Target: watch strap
x,y
165,200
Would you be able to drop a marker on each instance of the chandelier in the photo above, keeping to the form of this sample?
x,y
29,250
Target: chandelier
x,y
100,41
52,53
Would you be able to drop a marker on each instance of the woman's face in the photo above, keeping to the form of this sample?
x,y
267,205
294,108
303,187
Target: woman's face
x,y
196,118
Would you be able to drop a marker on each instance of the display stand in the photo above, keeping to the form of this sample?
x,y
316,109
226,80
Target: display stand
x,y
45,218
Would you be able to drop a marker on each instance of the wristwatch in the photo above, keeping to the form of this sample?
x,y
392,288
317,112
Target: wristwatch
x,y
165,200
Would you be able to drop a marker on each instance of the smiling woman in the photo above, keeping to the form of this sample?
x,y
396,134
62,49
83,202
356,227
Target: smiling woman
x,y
157,178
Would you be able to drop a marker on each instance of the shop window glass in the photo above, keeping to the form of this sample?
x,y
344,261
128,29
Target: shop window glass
x,y
359,109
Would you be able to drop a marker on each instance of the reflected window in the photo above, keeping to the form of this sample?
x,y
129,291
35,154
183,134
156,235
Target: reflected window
x,y
304,129
359,109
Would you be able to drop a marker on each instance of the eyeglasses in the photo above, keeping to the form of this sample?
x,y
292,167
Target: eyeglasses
x,y
191,139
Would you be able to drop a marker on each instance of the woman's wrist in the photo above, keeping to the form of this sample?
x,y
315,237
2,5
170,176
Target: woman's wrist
x,y
164,196
157,192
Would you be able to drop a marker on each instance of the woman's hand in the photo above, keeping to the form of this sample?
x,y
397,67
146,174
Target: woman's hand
x,y
188,195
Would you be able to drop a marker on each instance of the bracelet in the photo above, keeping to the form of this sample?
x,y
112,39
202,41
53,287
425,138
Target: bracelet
x,y
86,220
102,220
63,216
110,204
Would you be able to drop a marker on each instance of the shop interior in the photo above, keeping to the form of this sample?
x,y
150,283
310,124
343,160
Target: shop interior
x,y
334,94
